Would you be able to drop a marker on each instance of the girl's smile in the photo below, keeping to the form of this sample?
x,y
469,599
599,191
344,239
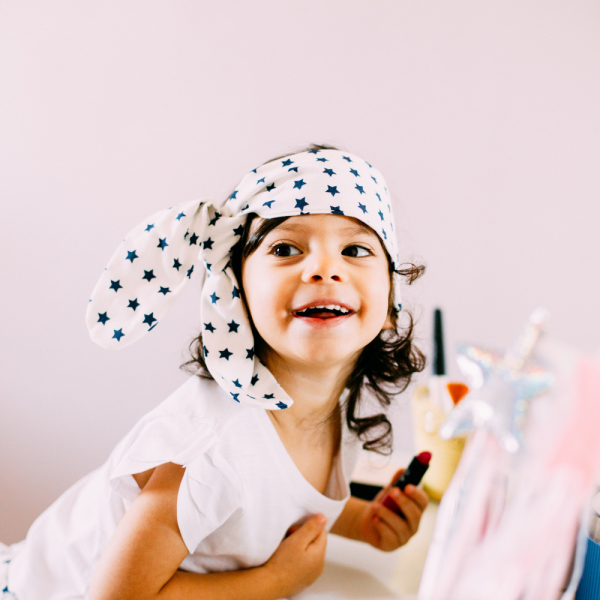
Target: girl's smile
x,y
324,312
317,289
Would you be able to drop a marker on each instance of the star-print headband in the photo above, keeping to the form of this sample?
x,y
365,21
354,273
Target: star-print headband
x,y
156,260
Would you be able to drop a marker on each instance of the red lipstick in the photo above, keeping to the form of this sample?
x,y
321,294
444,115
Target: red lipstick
x,y
412,475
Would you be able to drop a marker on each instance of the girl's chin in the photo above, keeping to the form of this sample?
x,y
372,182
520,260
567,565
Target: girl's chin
x,y
319,357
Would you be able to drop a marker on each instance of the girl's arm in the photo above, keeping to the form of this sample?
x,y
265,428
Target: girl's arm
x,y
141,560
348,523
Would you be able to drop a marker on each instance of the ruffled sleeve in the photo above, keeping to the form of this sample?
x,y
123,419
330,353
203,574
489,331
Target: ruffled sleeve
x,y
210,491
210,495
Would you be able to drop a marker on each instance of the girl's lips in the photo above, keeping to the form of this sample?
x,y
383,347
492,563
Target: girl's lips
x,y
324,302
327,322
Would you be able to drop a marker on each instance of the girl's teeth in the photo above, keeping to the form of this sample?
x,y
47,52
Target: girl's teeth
x,y
330,307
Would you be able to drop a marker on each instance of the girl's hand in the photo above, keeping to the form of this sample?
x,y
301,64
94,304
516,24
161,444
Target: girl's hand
x,y
385,529
300,558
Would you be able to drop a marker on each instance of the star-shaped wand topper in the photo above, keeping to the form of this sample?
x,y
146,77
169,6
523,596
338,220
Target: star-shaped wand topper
x,y
502,387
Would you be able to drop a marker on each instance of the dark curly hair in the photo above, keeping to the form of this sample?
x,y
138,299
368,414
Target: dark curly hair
x,y
385,365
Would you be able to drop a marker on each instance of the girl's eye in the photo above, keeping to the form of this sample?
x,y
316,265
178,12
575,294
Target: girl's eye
x,y
285,250
355,251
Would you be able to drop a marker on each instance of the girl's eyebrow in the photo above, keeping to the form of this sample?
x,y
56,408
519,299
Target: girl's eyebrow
x,y
350,231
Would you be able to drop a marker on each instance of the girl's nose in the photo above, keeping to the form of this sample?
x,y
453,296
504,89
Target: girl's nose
x,y
325,268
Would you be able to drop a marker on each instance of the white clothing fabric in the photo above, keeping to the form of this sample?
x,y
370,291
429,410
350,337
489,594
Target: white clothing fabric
x,y
240,493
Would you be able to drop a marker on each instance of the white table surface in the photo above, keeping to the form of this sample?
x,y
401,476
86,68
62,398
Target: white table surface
x,y
357,570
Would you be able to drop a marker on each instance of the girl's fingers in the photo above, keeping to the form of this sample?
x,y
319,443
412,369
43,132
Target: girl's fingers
x,y
392,533
393,520
417,495
411,510
381,494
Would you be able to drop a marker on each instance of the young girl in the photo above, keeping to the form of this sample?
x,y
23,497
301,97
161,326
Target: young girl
x,y
227,489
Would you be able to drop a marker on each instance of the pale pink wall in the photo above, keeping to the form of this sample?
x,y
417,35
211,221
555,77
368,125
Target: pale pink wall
x,y
483,116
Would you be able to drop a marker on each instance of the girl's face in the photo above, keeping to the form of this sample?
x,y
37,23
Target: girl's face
x,y
317,288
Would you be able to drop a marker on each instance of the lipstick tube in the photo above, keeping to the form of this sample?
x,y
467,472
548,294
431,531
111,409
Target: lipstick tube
x,y
412,475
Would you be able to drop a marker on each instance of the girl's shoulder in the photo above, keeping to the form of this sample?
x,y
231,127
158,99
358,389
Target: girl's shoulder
x,y
182,429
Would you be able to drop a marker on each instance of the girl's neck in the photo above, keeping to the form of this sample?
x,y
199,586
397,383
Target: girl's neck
x,y
314,390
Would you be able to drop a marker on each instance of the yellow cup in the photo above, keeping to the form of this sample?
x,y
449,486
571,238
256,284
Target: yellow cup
x,y
445,454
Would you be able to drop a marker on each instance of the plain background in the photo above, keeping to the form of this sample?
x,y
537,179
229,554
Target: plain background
x,y
483,117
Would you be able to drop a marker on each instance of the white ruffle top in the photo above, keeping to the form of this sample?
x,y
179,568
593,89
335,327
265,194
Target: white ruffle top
x,y
240,493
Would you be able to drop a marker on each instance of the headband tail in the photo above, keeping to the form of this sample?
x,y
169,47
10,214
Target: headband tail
x,y
146,274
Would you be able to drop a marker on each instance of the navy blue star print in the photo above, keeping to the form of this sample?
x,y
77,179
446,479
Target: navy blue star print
x,y
229,367
190,271
235,396
313,151
301,203
102,318
149,319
